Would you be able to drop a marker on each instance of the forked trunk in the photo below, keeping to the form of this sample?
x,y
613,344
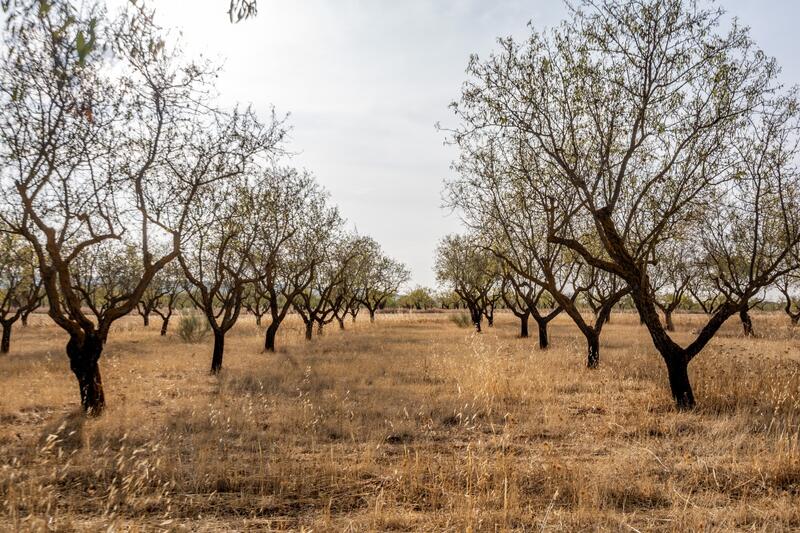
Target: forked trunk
x,y
219,350
341,322
593,359
747,322
678,371
164,326
84,355
523,326
258,320
5,345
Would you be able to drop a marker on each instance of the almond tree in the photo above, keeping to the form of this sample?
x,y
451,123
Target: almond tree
x,y
789,287
297,224
641,115
94,111
164,292
381,279
470,271
20,284
217,256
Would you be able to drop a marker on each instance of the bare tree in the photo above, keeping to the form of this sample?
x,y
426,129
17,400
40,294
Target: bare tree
x,y
673,269
165,290
20,284
470,271
324,298
640,116
381,278
296,225
789,287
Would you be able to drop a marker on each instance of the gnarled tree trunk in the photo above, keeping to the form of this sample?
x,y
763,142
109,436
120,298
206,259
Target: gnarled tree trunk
x,y
84,353
219,349
593,357
269,337
747,322
5,345
164,325
523,326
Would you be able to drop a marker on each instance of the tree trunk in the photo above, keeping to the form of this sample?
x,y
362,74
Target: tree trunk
x,y
341,322
678,370
5,345
320,328
747,322
269,340
219,349
309,330
83,357
795,319
372,315
258,320
146,319
477,317
593,359
544,340
164,326
24,320
523,326
668,324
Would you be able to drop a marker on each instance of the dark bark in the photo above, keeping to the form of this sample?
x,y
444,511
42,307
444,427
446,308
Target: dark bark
x,y
24,318
593,358
258,320
84,353
340,320
747,322
477,317
320,328
146,319
544,340
219,350
164,325
523,325
5,345
309,330
678,371
269,340
371,315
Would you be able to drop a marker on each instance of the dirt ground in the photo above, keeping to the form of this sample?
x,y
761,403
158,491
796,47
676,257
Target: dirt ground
x,y
411,423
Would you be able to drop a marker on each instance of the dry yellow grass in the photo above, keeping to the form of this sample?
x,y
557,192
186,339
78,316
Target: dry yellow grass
x,y
408,424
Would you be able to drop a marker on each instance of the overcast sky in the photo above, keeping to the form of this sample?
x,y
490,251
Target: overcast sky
x,y
365,81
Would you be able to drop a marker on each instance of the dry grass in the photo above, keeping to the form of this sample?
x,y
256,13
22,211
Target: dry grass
x,y
409,424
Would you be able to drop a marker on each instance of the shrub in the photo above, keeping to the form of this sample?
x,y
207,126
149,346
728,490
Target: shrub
x,y
193,327
461,320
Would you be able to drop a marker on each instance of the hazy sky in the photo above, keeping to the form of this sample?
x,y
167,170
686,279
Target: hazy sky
x,y
365,81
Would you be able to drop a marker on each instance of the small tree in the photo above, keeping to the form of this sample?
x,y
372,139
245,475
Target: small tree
x,y
20,284
470,271
789,287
